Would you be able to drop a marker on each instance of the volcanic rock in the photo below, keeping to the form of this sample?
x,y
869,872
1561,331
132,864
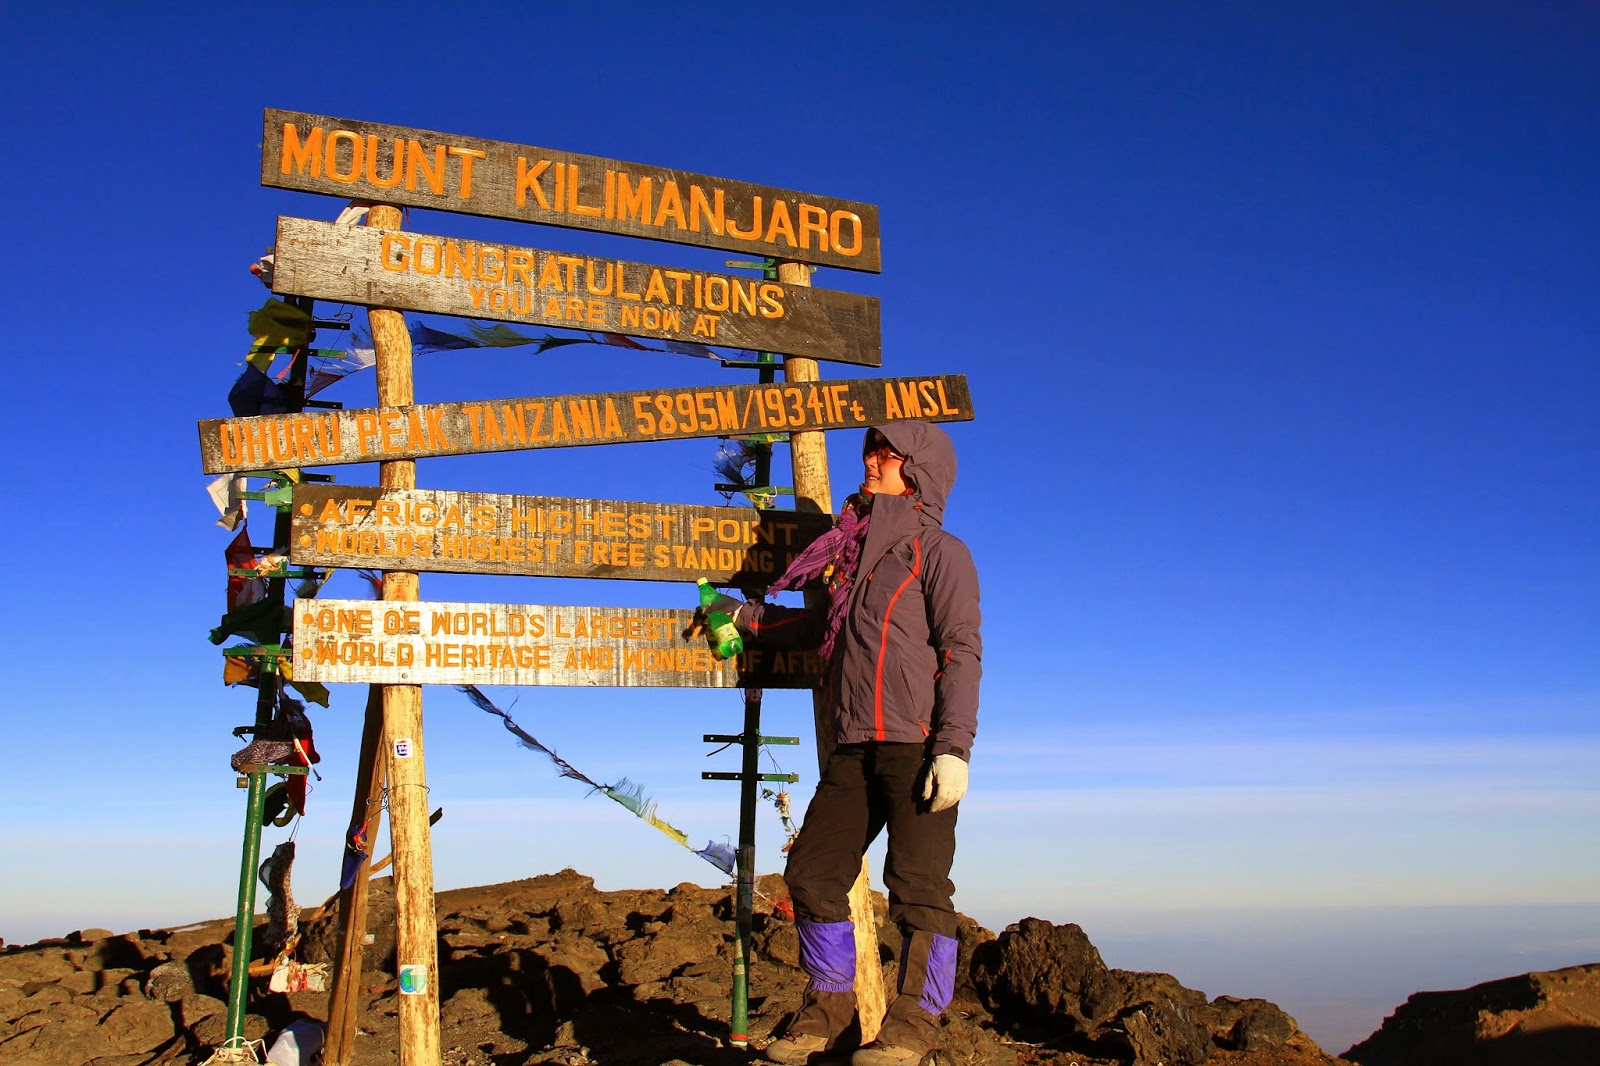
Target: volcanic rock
x,y
1047,985
1046,979
1550,1018
549,970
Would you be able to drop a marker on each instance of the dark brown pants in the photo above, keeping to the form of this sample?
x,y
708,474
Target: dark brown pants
x,y
865,788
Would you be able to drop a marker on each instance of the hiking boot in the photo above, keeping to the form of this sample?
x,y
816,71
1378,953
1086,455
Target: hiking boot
x,y
261,752
878,1053
796,1049
820,1021
908,1033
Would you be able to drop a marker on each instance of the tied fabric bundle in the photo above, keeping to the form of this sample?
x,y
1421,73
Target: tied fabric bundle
x,y
834,557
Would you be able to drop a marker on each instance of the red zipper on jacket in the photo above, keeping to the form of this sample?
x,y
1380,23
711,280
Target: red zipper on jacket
x,y
883,639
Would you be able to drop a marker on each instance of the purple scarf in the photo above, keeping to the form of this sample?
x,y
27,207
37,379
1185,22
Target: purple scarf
x,y
833,557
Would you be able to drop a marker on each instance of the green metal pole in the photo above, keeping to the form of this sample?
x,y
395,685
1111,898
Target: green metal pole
x,y
255,805
745,881
266,706
767,375
244,918
749,780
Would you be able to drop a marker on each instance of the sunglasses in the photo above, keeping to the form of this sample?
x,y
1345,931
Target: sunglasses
x,y
880,449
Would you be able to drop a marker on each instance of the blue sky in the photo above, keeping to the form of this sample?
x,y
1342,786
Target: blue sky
x,y
1280,327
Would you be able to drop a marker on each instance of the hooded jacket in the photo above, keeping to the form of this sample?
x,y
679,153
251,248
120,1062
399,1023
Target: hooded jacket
x,y
908,659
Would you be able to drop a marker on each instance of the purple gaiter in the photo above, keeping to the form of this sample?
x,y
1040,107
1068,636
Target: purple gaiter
x,y
828,955
939,980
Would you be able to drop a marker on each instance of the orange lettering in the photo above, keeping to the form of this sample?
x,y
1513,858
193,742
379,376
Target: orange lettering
x,y
633,202
754,232
573,206
396,163
305,157
671,204
417,163
813,219
528,181
467,155
780,221
330,156
698,206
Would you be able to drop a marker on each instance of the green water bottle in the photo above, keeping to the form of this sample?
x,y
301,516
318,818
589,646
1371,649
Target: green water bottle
x,y
724,633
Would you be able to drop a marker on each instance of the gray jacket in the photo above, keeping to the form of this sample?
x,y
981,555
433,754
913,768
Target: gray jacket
x,y
907,663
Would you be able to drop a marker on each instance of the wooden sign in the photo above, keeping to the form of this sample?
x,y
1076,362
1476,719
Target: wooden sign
x,y
327,438
415,643
481,279
445,172
544,536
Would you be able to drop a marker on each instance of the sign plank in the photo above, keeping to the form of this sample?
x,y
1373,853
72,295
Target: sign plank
x,y
544,536
330,438
481,279
421,168
387,642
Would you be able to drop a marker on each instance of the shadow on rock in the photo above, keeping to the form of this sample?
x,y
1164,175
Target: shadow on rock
x,y
529,995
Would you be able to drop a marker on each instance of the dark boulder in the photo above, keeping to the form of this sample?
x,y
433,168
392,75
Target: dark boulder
x,y
1046,978
1164,1022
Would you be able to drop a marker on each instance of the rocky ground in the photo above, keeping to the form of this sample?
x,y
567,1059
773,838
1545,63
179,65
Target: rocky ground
x,y
551,971
1536,1019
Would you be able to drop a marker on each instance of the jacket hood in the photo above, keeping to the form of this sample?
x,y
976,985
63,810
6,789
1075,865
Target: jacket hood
x,y
930,461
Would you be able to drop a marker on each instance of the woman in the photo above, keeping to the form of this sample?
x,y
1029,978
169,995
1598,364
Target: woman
x,y
902,653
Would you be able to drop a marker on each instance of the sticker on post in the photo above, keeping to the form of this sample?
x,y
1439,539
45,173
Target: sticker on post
x,y
402,748
413,980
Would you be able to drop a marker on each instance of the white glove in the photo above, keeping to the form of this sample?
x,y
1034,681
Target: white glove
x,y
945,783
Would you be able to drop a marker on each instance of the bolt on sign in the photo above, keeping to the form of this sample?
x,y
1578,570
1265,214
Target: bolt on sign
x,y
327,438
544,536
445,172
390,642
481,279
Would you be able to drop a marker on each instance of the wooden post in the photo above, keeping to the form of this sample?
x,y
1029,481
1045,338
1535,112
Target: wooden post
x,y
812,492
344,1011
416,923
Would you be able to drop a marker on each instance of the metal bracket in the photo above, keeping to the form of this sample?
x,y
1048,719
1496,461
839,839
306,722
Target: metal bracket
x,y
750,364
287,572
759,490
738,738
719,775
273,768
280,480
279,496
256,651
282,349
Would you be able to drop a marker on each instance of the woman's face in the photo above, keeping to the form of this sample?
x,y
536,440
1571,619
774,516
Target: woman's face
x,y
883,467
